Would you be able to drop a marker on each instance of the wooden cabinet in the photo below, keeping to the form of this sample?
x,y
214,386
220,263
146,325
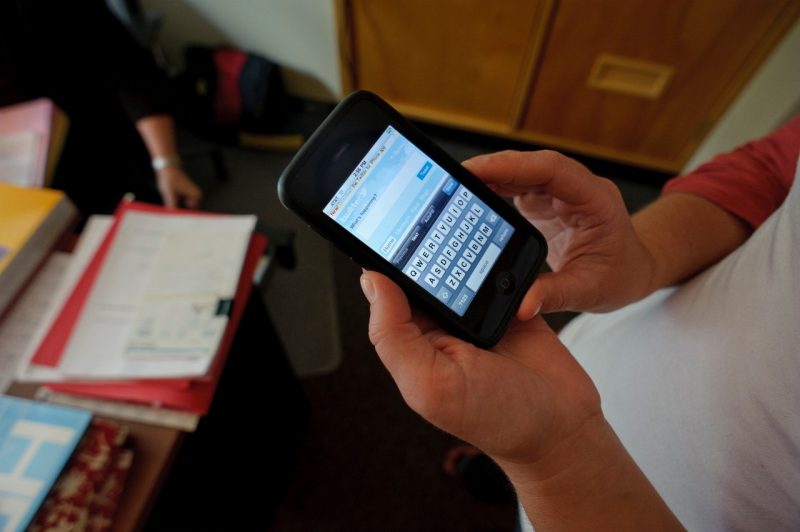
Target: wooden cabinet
x,y
638,81
458,60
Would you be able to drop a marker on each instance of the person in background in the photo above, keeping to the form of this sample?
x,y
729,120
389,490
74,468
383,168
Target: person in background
x,y
122,135
695,357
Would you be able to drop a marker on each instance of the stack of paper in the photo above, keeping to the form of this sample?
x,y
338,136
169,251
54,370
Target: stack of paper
x,y
145,308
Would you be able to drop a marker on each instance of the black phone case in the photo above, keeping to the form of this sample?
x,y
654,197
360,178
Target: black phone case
x,y
288,192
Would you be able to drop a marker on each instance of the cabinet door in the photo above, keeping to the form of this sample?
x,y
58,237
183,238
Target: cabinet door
x,y
453,61
643,80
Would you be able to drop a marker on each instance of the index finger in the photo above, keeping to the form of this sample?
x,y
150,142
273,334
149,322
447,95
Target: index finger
x,y
545,170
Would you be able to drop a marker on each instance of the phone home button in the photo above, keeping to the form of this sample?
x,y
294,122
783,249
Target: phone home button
x,y
504,282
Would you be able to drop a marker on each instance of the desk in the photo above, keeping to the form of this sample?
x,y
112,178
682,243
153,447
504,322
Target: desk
x,y
185,471
257,383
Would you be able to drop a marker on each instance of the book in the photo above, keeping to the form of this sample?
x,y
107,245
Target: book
x,y
36,441
88,492
31,223
31,137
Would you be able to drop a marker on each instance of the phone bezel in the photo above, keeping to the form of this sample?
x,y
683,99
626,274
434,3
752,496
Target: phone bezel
x,y
326,161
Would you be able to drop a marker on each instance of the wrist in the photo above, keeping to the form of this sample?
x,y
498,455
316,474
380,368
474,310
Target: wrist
x,y
163,162
647,269
571,454
588,482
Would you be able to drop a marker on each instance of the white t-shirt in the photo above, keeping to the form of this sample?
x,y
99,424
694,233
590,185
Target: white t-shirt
x,y
702,383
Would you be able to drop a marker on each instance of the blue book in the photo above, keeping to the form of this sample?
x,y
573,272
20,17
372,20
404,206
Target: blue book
x,y
36,441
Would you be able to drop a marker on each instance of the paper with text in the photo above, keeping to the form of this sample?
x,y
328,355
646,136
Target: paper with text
x,y
157,266
18,156
178,315
18,329
31,319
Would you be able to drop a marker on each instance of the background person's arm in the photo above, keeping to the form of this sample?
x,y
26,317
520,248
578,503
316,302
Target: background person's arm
x,y
176,187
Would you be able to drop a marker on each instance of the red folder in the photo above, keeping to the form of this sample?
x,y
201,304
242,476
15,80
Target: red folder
x,y
192,395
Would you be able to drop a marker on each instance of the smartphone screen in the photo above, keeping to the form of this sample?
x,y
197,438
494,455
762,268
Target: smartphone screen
x,y
410,211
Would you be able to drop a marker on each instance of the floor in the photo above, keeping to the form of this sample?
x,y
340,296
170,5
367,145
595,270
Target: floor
x,y
366,462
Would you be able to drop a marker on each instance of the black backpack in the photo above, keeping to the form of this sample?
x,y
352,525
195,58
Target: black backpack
x,y
225,91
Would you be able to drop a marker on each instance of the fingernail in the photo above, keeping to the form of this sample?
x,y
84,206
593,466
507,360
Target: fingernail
x,y
538,309
367,288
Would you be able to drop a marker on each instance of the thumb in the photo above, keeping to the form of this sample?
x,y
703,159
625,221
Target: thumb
x,y
398,340
551,292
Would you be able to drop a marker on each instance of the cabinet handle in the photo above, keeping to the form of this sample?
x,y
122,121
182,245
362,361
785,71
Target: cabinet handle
x,y
629,76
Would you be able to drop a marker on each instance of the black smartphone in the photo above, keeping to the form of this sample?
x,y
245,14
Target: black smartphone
x,y
370,182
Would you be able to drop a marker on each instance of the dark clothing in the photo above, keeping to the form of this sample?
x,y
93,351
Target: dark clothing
x,y
81,57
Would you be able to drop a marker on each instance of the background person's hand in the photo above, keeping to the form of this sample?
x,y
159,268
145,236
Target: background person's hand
x,y
516,402
598,261
177,188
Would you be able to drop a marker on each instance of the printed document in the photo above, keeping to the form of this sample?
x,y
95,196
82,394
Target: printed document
x,y
29,321
157,307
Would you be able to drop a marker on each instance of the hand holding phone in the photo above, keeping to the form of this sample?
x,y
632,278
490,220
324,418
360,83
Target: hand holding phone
x,y
599,262
377,188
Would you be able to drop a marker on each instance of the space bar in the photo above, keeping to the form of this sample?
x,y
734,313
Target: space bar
x,y
483,267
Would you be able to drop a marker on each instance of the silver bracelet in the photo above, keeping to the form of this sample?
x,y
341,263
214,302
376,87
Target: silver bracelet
x,y
161,162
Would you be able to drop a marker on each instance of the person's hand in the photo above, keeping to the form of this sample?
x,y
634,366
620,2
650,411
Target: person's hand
x,y
517,402
526,403
598,261
177,188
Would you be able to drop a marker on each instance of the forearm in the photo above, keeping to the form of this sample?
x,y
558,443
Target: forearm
x,y
684,234
589,483
176,187
158,133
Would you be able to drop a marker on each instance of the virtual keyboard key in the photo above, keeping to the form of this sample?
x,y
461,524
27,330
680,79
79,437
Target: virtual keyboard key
x,y
412,272
431,280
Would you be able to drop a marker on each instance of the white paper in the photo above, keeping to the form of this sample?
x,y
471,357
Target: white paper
x,y
155,257
177,327
18,154
57,293
18,329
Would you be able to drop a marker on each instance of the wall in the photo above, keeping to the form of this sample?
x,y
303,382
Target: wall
x,y
771,98
299,34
